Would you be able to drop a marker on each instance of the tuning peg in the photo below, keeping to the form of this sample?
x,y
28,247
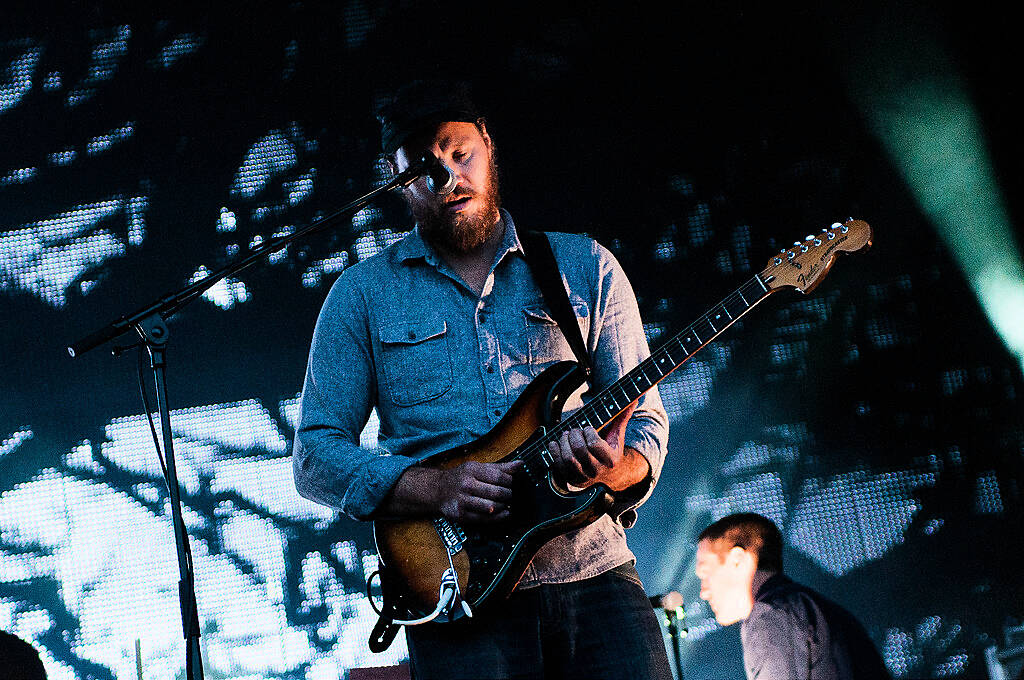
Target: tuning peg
x,y
809,237
836,224
796,243
817,241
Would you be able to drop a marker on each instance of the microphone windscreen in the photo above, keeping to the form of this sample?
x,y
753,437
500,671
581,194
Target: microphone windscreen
x,y
440,179
672,600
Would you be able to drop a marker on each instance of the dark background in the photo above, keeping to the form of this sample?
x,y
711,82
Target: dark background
x,y
725,133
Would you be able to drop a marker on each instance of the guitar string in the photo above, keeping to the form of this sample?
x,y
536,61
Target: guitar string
x,y
538,448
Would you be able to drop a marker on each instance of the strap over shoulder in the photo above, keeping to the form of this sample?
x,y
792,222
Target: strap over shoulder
x,y
541,260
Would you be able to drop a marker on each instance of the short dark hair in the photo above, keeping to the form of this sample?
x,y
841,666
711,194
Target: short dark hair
x,y
752,532
420,104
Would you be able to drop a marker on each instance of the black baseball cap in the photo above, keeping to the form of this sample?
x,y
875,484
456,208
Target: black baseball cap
x,y
422,104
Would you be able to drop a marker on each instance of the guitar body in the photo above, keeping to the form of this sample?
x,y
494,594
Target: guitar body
x,y
490,559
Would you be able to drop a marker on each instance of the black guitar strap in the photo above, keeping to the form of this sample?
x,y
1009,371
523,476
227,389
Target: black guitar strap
x,y
385,630
544,267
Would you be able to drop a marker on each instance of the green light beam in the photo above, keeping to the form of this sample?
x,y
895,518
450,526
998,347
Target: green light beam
x,y
917,103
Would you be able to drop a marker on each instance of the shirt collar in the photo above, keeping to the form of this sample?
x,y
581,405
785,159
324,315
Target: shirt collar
x,y
760,579
414,247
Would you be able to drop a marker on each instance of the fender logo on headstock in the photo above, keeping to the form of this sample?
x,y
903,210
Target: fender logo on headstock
x,y
810,260
805,277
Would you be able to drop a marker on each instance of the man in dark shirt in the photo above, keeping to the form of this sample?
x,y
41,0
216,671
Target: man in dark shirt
x,y
788,631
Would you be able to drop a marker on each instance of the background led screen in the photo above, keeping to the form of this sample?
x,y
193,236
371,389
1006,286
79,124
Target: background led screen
x,y
878,421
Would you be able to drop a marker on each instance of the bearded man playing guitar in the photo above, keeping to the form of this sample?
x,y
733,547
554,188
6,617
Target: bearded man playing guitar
x,y
443,332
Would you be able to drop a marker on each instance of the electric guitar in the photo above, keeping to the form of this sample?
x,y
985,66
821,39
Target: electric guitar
x,y
428,565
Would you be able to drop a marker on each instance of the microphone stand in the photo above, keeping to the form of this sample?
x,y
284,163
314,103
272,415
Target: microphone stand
x,y
673,632
150,324
673,614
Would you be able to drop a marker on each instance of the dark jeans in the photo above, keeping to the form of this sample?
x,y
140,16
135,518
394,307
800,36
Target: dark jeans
x,y
600,628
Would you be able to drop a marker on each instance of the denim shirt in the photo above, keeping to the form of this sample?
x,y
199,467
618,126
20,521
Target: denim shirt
x,y
402,332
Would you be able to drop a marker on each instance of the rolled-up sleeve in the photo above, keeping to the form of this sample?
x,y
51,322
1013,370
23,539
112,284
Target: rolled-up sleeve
x,y
618,345
338,393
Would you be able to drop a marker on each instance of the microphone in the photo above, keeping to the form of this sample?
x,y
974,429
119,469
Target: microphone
x,y
440,179
669,601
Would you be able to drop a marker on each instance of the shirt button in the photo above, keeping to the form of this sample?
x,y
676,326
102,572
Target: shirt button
x,y
412,335
490,368
483,318
497,412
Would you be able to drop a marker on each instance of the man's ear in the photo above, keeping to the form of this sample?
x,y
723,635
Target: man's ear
x,y
742,558
481,125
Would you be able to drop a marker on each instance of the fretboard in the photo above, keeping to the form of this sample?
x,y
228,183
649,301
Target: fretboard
x,y
615,398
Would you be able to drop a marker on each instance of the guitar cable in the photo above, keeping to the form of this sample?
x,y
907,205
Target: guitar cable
x,y
448,594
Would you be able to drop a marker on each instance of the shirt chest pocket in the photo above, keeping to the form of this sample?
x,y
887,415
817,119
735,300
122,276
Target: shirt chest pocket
x,y
544,339
416,361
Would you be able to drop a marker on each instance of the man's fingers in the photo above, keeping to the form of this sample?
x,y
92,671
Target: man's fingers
x,y
494,473
599,449
471,508
505,472
481,506
581,452
577,443
489,492
567,464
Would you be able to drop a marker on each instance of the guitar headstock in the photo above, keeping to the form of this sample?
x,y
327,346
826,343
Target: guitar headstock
x,y
805,264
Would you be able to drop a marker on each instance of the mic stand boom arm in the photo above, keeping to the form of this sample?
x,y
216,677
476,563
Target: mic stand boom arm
x,y
149,322
169,304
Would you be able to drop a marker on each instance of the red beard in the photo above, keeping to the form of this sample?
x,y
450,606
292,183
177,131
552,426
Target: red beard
x,y
461,232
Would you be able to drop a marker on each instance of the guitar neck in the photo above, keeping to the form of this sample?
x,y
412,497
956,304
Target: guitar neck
x,y
615,398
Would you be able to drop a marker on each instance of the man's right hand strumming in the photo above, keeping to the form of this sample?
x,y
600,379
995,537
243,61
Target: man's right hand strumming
x,y
471,492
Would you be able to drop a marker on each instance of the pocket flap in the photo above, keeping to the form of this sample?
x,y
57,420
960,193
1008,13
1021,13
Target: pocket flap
x,y
538,314
412,332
